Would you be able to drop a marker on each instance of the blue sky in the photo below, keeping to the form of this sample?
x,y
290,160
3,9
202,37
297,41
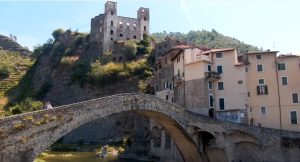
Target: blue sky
x,y
271,24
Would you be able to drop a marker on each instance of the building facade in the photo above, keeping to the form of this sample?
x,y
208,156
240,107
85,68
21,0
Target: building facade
x,y
107,28
256,88
273,90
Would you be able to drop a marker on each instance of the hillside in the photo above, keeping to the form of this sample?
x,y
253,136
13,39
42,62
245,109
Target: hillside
x,y
211,39
69,69
9,44
13,67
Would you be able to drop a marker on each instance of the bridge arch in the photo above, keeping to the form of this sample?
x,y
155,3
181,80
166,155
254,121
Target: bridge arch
x,y
31,133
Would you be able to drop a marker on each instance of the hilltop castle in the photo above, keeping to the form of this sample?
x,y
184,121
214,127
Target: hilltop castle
x,y
108,28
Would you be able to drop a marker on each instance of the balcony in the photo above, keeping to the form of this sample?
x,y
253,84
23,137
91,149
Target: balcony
x,y
212,75
178,79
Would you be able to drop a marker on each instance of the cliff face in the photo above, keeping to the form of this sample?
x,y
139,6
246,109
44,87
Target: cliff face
x,y
9,44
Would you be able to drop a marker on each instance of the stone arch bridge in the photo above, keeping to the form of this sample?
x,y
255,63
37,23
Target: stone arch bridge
x,y
198,138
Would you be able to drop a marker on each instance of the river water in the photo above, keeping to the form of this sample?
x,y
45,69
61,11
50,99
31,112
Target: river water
x,y
75,157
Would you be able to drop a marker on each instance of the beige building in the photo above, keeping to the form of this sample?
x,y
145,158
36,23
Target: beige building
x,y
273,90
257,88
201,86
229,91
289,87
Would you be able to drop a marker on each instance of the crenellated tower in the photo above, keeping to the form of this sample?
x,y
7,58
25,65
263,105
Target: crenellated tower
x,y
109,28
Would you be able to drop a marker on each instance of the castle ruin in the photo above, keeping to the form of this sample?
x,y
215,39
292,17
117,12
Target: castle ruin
x,y
108,28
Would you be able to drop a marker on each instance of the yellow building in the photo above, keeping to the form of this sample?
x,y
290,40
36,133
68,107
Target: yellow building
x,y
273,89
289,87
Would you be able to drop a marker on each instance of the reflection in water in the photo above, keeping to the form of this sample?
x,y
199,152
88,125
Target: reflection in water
x,y
74,157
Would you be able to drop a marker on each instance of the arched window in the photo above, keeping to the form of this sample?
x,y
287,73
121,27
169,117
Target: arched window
x,y
111,32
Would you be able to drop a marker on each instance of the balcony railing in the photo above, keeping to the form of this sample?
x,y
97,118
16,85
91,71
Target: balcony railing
x,y
212,75
178,79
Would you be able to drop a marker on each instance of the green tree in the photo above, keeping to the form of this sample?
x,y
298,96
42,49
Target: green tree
x,y
56,33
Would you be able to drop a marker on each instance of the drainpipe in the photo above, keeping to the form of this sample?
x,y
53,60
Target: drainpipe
x,y
183,77
278,92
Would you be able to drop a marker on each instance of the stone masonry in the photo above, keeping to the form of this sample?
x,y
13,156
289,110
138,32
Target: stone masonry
x,y
108,28
198,138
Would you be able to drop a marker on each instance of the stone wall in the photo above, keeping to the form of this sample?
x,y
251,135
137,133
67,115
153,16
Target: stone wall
x,y
196,96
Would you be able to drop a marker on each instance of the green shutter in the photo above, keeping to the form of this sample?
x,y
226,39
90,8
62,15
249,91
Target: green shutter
x,y
266,90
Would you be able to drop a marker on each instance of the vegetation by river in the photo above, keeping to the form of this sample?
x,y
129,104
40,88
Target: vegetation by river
x,y
74,157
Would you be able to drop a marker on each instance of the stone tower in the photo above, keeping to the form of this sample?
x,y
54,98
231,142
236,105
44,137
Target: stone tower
x,y
108,28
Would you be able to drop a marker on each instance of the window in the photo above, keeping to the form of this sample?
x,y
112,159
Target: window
x,y
221,103
172,99
261,81
211,101
111,23
263,110
284,81
246,69
295,98
219,55
220,86
145,28
262,90
121,35
281,66
209,68
179,92
145,18
111,39
259,67
220,69
293,117
111,12
167,97
210,87
258,57
134,37
240,82
249,94
111,32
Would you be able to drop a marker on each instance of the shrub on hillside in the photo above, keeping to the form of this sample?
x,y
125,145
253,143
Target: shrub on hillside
x,y
26,105
101,74
79,71
68,60
5,71
56,33
136,67
130,50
